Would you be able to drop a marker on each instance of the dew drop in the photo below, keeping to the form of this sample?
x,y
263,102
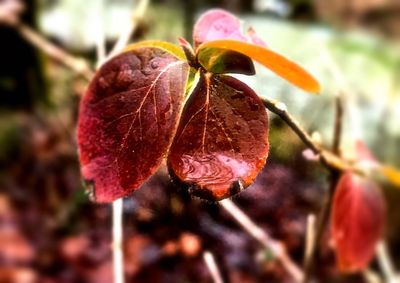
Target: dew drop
x,y
254,107
147,71
154,64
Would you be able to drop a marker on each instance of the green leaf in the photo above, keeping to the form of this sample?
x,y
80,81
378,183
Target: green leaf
x,y
222,61
164,45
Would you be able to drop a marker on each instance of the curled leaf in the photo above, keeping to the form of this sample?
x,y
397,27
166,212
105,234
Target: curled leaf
x,y
358,217
222,140
277,63
128,117
220,61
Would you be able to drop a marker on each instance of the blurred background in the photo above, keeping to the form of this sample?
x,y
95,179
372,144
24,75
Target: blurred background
x,y
51,232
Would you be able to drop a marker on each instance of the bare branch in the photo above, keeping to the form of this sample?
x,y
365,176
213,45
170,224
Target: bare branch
x,y
117,212
280,109
310,237
265,240
330,160
386,264
337,134
371,276
126,34
212,267
78,65
323,217
100,36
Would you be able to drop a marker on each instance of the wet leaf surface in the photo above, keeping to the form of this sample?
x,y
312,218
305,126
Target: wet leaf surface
x,y
221,143
127,119
358,219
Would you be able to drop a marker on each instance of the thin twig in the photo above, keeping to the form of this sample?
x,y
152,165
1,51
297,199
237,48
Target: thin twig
x,y
310,237
371,276
337,133
117,205
126,34
385,262
118,262
78,65
330,160
323,217
280,109
277,248
212,267
100,36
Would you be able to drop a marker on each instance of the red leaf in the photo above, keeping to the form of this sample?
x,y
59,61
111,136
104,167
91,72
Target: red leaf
x,y
222,140
358,216
219,24
127,119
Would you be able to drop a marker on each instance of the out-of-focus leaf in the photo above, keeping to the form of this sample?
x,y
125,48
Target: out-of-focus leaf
x,y
367,158
222,140
220,61
219,24
128,117
277,63
358,217
364,153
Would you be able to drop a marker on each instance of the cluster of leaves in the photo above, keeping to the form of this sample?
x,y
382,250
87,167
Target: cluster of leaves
x,y
157,100
216,139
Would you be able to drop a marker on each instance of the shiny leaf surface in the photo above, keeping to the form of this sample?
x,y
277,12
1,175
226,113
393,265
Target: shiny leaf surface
x,y
127,119
358,217
221,143
277,63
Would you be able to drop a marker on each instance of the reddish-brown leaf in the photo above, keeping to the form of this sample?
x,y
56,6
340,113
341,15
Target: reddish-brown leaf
x,y
222,140
127,119
358,217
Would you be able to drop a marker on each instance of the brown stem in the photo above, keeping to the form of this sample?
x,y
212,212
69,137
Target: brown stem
x,y
123,40
337,134
78,65
276,247
329,159
212,267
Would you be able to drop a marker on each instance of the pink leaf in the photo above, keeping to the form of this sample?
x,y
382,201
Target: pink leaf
x,y
219,24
